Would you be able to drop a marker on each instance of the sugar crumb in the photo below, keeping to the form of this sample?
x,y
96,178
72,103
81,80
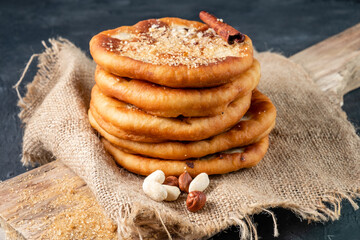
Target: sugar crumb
x,y
175,46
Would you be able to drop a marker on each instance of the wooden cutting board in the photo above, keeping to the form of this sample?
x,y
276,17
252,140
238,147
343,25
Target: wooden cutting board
x,y
51,201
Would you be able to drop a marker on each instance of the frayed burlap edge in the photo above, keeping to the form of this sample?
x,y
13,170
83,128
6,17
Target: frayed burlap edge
x,y
35,94
147,222
43,79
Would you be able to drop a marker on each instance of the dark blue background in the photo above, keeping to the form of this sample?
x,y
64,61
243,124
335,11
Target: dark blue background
x,y
282,26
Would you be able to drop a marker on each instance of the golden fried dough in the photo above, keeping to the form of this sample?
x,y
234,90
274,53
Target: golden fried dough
x,y
119,133
255,125
169,102
135,121
171,52
219,163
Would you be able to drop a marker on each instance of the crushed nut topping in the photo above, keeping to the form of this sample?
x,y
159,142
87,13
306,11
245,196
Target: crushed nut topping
x,y
174,45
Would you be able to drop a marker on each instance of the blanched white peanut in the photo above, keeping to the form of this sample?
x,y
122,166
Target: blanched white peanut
x,y
157,176
155,190
172,193
199,183
153,187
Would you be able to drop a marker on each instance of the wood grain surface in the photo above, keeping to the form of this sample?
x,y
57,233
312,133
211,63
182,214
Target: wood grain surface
x,y
33,201
30,203
333,62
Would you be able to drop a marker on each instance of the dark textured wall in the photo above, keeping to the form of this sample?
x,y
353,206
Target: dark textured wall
x,y
282,26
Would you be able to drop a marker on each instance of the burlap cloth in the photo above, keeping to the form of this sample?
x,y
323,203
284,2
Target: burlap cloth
x,y
312,163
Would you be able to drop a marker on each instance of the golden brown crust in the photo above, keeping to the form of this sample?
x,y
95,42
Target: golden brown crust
x,y
118,132
179,76
169,102
137,122
219,164
258,122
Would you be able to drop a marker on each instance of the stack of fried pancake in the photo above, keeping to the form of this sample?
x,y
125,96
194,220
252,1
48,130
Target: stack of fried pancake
x,y
171,94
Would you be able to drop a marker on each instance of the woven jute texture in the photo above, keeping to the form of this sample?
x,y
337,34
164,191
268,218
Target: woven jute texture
x,y
312,163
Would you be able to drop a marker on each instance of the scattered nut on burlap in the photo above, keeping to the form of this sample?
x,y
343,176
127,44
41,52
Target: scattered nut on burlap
x,y
312,164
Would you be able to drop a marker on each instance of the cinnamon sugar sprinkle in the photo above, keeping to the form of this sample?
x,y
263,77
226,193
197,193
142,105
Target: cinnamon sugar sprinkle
x,y
174,45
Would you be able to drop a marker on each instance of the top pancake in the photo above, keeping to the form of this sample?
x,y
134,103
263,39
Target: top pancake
x,y
172,52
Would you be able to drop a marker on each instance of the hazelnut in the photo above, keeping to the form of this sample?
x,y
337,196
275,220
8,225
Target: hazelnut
x,y
195,201
171,181
184,181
